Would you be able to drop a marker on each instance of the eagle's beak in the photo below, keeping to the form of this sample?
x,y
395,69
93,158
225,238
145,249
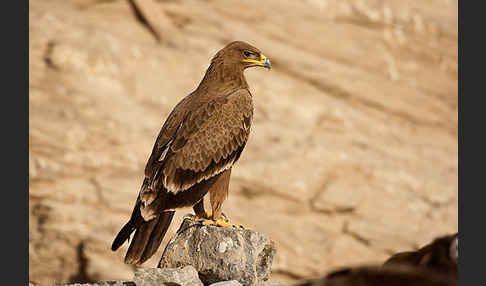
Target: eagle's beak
x,y
263,62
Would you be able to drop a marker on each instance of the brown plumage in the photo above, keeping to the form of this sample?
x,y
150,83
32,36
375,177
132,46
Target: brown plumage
x,y
198,144
432,265
378,276
441,255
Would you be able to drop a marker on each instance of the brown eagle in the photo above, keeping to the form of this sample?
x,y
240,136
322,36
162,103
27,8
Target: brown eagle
x,y
398,275
441,255
195,150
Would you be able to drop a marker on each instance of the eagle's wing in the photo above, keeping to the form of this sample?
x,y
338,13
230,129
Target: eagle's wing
x,y
172,125
205,141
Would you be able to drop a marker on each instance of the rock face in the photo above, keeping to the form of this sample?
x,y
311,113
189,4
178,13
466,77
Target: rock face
x,y
186,276
221,254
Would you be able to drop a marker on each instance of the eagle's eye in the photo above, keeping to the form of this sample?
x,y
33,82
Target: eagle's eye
x,y
247,53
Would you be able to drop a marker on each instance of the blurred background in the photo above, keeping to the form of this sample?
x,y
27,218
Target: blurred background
x,y
353,153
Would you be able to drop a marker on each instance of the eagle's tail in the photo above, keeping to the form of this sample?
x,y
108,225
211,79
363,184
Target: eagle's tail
x,y
147,238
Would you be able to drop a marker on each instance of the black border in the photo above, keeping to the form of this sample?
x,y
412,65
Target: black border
x,y
470,208
464,177
21,23
460,165
15,134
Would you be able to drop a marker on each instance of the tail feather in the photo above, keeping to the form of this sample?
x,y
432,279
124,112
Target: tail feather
x,y
135,221
140,241
157,235
123,235
148,236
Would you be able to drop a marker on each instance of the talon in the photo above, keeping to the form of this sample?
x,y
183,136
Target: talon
x,y
222,223
207,222
197,218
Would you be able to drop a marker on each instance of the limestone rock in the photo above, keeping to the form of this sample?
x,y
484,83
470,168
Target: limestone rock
x,y
106,283
227,283
184,276
221,254
273,283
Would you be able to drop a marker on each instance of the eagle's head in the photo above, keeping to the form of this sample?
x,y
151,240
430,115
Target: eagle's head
x,y
242,55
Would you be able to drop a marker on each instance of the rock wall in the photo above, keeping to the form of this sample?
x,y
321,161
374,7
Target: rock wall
x,y
353,151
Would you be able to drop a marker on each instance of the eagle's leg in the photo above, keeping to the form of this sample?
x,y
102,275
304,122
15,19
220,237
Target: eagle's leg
x,y
217,195
200,212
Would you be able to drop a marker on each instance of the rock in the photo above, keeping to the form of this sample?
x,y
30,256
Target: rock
x,y
273,283
221,254
227,283
184,276
106,283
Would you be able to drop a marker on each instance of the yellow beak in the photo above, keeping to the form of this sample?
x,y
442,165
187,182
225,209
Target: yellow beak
x,y
264,62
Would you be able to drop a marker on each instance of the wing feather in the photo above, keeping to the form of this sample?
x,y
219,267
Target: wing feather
x,y
212,147
198,140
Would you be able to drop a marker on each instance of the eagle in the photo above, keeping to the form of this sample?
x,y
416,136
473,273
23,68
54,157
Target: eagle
x,y
441,255
197,146
397,275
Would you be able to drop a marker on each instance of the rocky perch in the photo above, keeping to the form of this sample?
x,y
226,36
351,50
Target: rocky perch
x,y
201,255
221,254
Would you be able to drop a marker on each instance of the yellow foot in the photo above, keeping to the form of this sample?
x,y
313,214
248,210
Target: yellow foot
x,y
221,223
208,215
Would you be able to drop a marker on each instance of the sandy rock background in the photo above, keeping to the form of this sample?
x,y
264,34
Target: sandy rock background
x,y
353,151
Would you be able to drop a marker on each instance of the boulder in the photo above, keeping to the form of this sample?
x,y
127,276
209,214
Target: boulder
x,y
220,253
182,276
105,283
227,283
